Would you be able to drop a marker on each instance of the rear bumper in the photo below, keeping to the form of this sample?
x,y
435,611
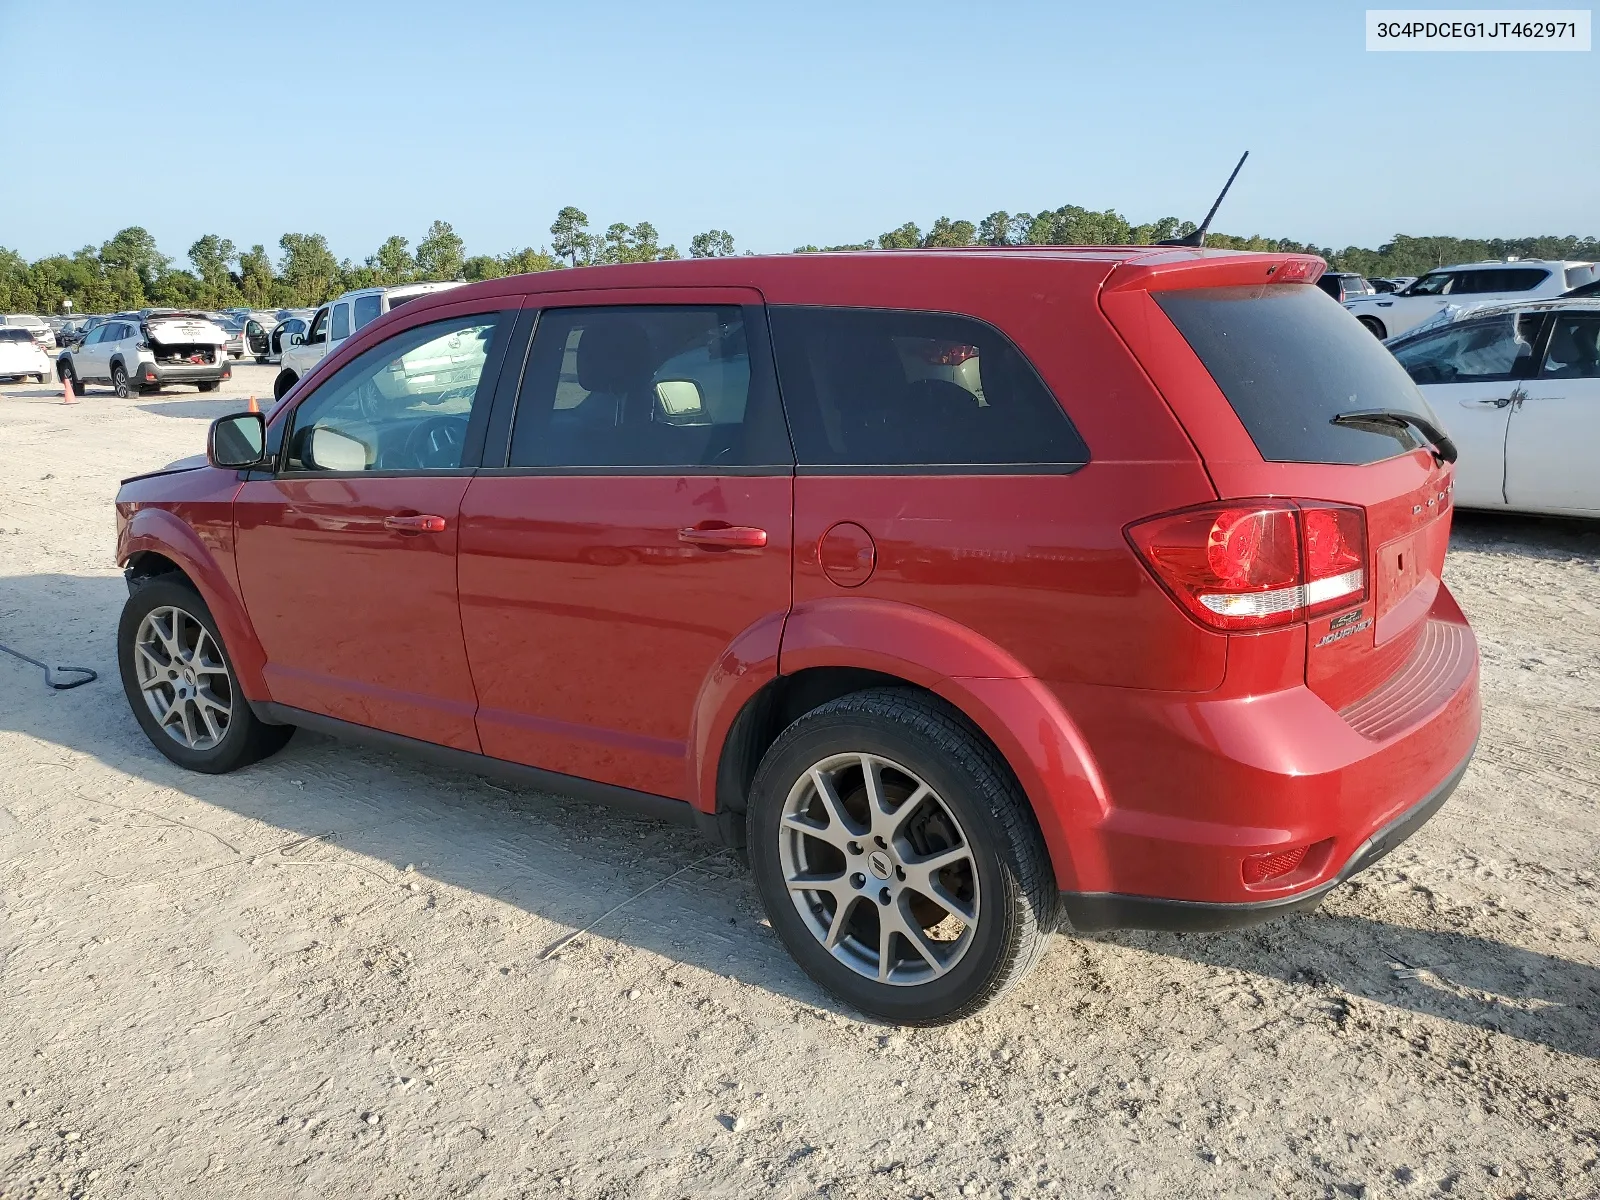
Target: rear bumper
x,y
155,374
1094,913
1196,785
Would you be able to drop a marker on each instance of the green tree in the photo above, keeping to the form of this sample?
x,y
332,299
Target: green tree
x,y
946,232
631,244
393,262
441,253
255,276
308,274
713,243
569,236
907,237
528,260
212,257
132,264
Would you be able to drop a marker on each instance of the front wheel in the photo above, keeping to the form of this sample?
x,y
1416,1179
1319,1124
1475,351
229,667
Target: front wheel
x,y
898,859
284,381
1374,327
180,684
70,377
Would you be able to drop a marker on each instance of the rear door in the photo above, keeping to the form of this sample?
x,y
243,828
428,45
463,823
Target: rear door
x,y
1472,373
1555,426
633,538
1277,363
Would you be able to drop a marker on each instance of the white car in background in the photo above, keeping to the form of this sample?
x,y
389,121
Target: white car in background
x,y
146,350
1387,316
333,323
1517,387
36,327
21,356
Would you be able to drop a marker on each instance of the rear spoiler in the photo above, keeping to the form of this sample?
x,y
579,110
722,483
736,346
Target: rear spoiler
x,y
1171,269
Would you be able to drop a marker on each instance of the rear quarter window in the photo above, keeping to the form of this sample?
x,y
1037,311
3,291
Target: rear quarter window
x,y
1289,361
890,388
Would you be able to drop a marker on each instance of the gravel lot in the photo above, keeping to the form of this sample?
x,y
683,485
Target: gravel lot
x,y
326,975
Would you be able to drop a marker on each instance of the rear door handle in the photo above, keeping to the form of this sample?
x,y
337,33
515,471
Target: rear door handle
x,y
725,537
420,523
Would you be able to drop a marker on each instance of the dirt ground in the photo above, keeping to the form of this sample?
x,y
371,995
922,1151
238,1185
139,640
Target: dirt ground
x,y
326,976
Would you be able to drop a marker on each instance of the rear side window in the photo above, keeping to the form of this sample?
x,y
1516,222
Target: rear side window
x,y
367,310
1579,276
893,388
1574,351
646,386
1495,280
1289,362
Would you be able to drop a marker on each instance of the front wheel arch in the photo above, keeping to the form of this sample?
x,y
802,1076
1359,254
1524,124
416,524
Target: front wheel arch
x,y
1373,326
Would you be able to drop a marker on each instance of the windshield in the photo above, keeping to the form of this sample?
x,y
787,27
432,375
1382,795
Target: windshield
x,y
1289,360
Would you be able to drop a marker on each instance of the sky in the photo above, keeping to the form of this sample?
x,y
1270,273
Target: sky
x,y
785,124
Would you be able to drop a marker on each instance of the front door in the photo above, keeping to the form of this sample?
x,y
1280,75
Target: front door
x,y
347,556
639,527
1555,429
255,339
1472,374
300,359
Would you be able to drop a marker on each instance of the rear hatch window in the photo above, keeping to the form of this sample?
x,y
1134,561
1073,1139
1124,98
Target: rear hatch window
x,y
1289,360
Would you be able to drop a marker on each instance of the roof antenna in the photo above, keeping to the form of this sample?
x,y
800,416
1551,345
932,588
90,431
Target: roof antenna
x,y
1198,237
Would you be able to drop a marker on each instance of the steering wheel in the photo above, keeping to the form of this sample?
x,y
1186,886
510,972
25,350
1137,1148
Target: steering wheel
x,y
436,442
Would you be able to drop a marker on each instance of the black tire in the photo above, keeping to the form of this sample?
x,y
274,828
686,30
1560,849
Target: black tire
x,y
1013,888
120,382
245,739
261,360
209,386
284,381
68,375
1374,327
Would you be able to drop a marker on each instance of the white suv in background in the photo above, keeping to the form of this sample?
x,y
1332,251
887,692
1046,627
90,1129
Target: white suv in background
x,y
146,350
1470,283
335,322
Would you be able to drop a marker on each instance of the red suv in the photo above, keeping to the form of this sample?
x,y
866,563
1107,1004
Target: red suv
x,y
970,593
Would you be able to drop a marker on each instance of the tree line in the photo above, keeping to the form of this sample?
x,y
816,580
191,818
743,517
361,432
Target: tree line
x,y
128,271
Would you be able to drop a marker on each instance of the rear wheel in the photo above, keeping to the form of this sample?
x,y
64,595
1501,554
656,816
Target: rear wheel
x,y
209,386
180,684
120,383
898,859
284,381
1374,327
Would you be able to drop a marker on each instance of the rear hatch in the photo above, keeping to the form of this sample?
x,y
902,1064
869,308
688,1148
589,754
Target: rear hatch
x,y
1257,370
184,339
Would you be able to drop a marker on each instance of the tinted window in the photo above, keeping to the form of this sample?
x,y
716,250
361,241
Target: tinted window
x,y
319,331
14,335
367,309
1288,362
1574,351
341,322
1488,282
401,406
1498,348
1436,283
646,386
869,387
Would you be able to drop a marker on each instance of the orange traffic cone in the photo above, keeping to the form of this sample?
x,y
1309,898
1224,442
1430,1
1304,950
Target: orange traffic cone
x,y
67,396
254,407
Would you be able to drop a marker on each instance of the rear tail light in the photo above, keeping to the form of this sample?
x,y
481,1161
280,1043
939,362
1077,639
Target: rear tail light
x,y
1258,564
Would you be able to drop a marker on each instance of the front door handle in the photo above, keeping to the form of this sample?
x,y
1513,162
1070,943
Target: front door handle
x,y
724,537
1499,403
420,523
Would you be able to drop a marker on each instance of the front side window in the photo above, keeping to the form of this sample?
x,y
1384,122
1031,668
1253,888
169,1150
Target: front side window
x,y
319,329
403,405
341,322
1475,351
367,310
647,386
1574,351
1435,283
897,388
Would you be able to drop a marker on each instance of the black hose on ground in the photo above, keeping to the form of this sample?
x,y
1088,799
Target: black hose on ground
x,y
51,673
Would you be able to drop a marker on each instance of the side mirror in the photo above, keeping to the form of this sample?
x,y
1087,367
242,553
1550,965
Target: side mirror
x,y
237,442
681,401
330,450
297,339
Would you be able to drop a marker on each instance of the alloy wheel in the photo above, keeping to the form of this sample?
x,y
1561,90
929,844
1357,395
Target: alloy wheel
x,y
879,869
119,383
183,678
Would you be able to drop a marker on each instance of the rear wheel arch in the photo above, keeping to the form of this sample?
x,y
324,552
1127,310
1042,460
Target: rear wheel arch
x,y
286,379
